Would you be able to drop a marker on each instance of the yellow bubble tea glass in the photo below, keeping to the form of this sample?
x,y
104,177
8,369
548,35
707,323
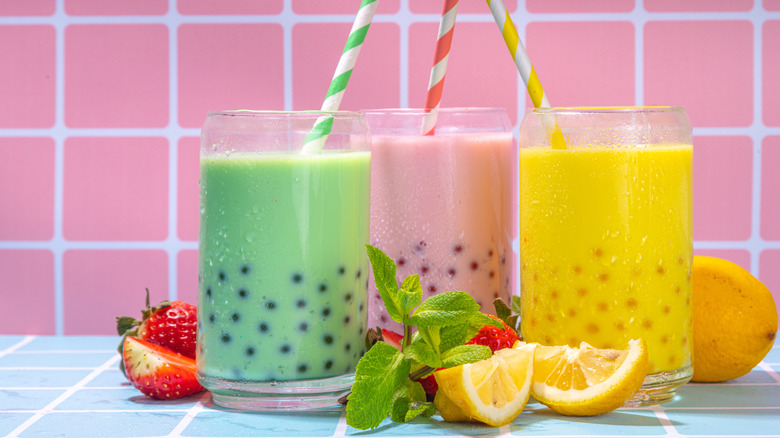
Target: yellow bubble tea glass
x,y
606,235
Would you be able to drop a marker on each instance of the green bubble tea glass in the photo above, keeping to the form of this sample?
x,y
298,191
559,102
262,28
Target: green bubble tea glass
x,y
606,235
282,265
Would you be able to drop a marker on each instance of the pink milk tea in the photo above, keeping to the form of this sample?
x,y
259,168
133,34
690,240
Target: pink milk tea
x,y
441,205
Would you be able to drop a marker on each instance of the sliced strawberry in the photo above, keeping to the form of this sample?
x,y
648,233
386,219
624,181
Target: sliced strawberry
x,y
392,338
495,338
173,325
158,372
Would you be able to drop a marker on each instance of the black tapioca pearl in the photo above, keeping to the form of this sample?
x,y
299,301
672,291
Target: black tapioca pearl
x,y
328,339
348,296
424,269
361,331
301,303
328,364
270,305
303,326
474,266
249,351
347,347
346,320
212,318
302,368
457,249
243,293
285,348
342,270
235,317
361,306
323,288
208,292
401,261
222,276
225,338
326,311
420,246
245,269
263,327
297,277
451,272
359,273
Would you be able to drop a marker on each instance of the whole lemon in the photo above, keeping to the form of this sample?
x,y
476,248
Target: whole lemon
x,y
734,320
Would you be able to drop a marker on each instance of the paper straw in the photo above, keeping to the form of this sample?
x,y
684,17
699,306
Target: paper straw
x,y
523,63
315,140
439,69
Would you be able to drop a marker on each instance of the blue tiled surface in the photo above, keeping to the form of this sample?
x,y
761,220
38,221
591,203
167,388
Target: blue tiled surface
x,y
71,387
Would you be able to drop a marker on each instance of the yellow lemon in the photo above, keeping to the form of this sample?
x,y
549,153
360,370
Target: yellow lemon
x,y
588,380
493,391
734,320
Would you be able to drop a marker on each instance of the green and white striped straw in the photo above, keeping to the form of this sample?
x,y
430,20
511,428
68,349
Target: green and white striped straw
x,y
315,140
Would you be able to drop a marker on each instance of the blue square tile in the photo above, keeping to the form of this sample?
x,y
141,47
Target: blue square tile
x,y
111,378
7,341
124,398
218,422
700,395
41,379
719,422
27,399
11,420
104,424
433,426
56,359
542,422
84,343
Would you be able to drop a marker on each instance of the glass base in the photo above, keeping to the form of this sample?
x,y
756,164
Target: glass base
x,y
270,396
660,387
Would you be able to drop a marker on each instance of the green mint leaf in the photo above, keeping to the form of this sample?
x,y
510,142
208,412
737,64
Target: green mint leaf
x,y
502,310
465,354
480,320
444,309
383,268
454,335
409,402
411,293
431,335
423,353
380,372
515,304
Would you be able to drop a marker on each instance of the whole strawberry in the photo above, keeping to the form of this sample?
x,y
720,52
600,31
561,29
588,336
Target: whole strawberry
x,y
172,325
494,337
157,371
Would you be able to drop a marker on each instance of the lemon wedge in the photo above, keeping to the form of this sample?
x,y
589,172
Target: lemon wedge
x,y
587,380
493,391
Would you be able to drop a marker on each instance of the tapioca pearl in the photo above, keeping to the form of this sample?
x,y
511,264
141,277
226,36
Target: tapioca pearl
x,y
620,326
647,323
604,277
536,276
667,309
632,303
677,290
474,265
680,260
602,306
685,340
535,299
235,317
222,276
359,273
297,277
424,269
573,342
212,318
361,330
328,364
327,339
534,322
322,288
597,252
576,269
401,261
550,317
572,313
383,318
592,328
492,274
285,349
348,297
495,294
243,293
249,351
660,270
490,253
326,312
302,368
225,338
346,320
245,269
689,276
300,303
548,340
361,306
208,292
347,347
582,291
665,339
270,305
303,327
458,248
342,270
553,294
451,272
264,328
432,288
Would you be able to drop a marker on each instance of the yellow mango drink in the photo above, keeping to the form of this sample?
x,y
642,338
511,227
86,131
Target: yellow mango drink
x,y
606,236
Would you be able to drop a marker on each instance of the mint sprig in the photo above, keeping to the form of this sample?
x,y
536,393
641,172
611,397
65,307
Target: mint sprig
x,y
385,378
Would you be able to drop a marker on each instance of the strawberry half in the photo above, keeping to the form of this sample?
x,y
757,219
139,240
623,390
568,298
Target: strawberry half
x,y
392,338
157,371
172,325
495,338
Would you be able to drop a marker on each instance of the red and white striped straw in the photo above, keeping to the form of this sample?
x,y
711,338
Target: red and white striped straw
x,y
439,69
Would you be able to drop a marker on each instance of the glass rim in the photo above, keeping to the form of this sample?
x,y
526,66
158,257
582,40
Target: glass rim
x,y
479,110
297,114
607,109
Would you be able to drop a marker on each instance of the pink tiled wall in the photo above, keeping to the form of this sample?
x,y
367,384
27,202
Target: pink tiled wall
x,y
101,104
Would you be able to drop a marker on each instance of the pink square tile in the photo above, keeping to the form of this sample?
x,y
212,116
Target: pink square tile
x,y
187,275
115,188
28,292
772,5
770,188
464,6
26,8
375,79
27,78
547,6
769,273
770,94
738,256
722,187
112,281
116,7
116,76
188,205
341,7
698,5
26,188
480,71
595,66
228,67
685,66
229,7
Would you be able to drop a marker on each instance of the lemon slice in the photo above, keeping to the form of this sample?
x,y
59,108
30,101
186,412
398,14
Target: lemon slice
x,y
493,391
588,380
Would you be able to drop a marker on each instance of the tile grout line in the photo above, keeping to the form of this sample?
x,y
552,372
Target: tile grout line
x,y
666,423
26,340
190,414
62,397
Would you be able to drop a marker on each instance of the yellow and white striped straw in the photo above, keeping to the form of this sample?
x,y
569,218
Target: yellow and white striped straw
x,y
523,63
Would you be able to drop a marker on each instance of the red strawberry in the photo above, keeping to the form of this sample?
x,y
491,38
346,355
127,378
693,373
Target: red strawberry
x,y
392,338
494,337
173,325
157,371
